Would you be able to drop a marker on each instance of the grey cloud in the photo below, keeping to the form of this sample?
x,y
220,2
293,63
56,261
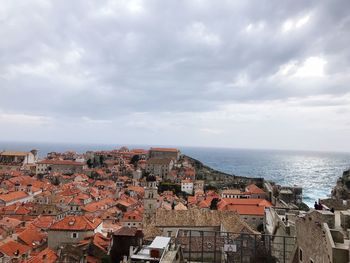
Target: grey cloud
x,y
113,59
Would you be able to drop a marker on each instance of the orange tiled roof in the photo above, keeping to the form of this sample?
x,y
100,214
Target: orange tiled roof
x,y
164,149
98,240
11,247
206,202
137,189
132,216
14,153
76,223
13,196
254,189
45,256
43,222
243,202
60,162
246,209
32,237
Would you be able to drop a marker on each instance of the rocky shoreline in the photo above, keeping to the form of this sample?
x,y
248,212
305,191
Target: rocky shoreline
x,y
340,195
220,179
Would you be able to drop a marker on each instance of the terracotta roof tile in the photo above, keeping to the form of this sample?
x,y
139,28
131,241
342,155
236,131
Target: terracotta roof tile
x,y
32,237
164,149
45,256
13,196
61,162
254,189
11,247
76,223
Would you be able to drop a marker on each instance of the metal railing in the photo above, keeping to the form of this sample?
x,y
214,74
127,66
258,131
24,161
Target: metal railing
x,y
213,246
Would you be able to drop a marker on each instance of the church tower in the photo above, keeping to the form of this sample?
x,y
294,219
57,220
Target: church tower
x,y
151,196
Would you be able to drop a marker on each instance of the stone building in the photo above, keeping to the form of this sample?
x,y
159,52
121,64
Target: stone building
x,y
168,222
164,153
150,201
280,223
187,186
319,239
60,166
71,230
160,167
122,240
13,160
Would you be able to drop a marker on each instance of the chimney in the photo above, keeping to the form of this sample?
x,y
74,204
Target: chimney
x,y
17,185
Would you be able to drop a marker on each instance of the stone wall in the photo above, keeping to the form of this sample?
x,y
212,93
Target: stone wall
x,y
57,238
311,237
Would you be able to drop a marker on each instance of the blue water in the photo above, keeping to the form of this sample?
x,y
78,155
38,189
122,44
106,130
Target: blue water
x,y
316,172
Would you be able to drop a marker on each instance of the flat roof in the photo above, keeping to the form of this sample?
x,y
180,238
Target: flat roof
x,y
160,242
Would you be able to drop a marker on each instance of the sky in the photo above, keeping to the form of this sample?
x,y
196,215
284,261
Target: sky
x,y
242,74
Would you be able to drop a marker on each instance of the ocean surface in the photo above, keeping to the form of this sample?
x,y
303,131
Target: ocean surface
x,y
316,172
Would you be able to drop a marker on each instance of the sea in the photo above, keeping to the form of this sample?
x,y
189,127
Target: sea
x,y
315,172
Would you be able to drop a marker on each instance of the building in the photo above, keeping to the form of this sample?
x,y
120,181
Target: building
x,y
234,193
255,192
122,240
320,238
160,250
150,201
159,166
187,186
33,238
14,252
251,210
14,197
280,223
13,160
60,166
72,229
168,222
198,185
45,256
164,153
132,219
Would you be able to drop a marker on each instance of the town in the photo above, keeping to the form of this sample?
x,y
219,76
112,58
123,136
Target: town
x,y
155,205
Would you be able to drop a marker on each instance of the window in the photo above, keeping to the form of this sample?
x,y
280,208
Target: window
x,y
74,235
300,255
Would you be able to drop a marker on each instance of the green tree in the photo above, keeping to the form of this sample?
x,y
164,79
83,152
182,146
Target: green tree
x,y
214,204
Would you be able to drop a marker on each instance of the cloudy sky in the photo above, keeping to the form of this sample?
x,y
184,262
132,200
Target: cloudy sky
x,y
246,74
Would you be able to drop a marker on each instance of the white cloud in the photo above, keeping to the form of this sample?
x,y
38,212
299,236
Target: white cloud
x,y
310,67
293,24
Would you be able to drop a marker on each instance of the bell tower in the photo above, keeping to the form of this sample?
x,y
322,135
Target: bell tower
x,y
151,196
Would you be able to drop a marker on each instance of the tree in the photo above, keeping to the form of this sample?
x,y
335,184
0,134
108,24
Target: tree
x,y
214,204
90,163
102,160
56,181
135,159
